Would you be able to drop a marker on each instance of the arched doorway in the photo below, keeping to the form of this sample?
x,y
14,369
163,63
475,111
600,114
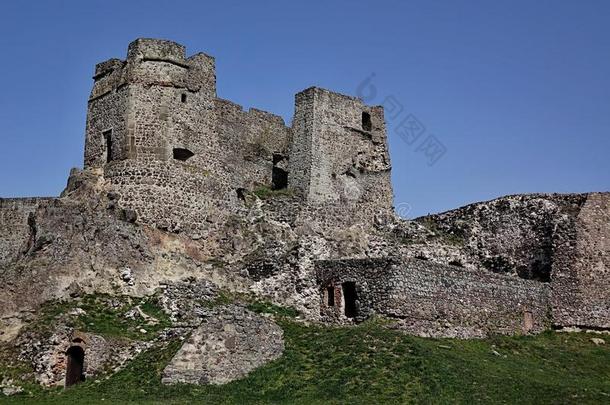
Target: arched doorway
x,y
75,361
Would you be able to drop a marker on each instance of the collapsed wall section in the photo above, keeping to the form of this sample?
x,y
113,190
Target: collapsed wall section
x,y
430,299
252,144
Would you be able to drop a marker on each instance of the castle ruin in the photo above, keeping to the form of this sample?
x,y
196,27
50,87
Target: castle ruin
x,y
178,155
179,184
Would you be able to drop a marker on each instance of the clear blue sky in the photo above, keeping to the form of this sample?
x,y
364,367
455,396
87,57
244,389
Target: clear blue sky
x,y
517,91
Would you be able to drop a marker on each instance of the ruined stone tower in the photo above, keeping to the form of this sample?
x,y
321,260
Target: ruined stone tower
x,y
146,108
179,157
339,150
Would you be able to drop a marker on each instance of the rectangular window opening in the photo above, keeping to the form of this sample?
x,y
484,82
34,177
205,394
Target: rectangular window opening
x,y
367,124
107,136
183,97
330,296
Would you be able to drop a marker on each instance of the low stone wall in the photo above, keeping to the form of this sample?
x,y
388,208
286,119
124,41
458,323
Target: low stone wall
x,y
430,299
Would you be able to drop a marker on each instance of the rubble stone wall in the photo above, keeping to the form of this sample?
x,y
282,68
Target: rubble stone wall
x,y
581,268
435,300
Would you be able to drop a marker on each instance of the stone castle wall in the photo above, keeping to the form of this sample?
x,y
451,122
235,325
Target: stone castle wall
x,y
178,154
581,267
561,239
435,300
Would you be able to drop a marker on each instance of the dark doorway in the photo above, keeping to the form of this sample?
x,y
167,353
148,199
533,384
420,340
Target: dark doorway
x,y
367,125
75,360
108,141
330,296
182,154
349,299
279,176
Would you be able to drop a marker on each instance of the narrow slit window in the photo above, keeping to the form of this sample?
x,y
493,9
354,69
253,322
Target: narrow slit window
x,y
107,138
330,296
183,97
528,321
367,124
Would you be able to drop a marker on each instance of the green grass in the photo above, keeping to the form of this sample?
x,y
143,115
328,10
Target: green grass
x,y
223,298
261,307
372,364
104,315
266,192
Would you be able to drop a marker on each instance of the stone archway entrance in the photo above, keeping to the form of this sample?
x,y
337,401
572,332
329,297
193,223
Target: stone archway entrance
x,y
75,361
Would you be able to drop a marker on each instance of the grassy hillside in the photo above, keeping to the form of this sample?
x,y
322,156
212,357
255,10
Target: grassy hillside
x,y
372,364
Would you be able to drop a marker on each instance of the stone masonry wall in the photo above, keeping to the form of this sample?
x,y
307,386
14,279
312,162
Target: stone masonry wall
x,y
178,154
436,300
581,268
248,142
339,152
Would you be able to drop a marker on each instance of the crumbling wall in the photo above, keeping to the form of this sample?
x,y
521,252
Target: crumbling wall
x,y
339,153
435,300
250,142
581,267
512,235
228,345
